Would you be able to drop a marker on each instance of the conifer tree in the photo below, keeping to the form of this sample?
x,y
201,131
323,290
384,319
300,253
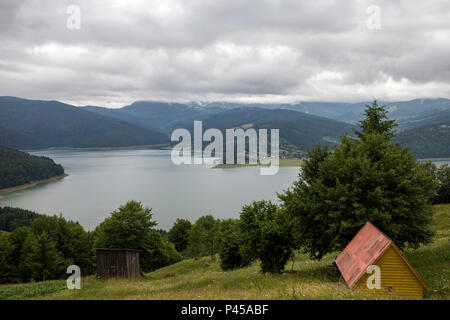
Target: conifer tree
x,y
360,180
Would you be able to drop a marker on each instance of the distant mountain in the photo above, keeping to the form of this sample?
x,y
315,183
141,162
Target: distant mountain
x,y
159,116
431,140
41,124
165,116
31,124
408,114
298,130
17,168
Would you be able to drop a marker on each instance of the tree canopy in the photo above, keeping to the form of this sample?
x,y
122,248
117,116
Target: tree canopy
x,y
267,235
371,178
132,227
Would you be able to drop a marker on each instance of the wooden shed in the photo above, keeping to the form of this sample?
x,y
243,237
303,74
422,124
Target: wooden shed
x,y
369,247
122,263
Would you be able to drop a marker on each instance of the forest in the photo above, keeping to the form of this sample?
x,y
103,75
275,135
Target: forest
x,y
18,168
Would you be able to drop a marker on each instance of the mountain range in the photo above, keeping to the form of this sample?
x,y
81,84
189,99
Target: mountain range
x,y
32,124
29,124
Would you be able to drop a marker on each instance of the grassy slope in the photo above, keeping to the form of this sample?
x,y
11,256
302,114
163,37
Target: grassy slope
x,y
203,279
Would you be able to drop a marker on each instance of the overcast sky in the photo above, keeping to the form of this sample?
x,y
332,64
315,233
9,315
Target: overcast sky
x,y
233,50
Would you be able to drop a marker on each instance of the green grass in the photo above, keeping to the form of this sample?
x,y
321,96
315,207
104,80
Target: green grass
x,y
433,260
203,278
31,290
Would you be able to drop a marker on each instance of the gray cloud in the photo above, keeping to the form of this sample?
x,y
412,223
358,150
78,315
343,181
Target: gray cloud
x,y
224,50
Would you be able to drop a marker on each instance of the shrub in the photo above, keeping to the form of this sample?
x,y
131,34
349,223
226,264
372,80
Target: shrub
x,y
230,244
267,233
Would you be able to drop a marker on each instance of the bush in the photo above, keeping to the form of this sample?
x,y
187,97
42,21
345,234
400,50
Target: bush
x,y
230,245
179,234
267,234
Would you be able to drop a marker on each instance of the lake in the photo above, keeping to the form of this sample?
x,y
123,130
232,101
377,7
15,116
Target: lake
x,y
101,181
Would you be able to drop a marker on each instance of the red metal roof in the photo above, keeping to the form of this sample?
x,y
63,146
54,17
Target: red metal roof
x,y
361,252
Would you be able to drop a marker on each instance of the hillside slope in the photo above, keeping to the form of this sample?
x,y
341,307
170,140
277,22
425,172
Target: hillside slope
x,y
159,116
42,124
18,168
297,129
431,140
203,279
409,114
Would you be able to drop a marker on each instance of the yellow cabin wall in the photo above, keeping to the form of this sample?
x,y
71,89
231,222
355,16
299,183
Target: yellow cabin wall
x,y
395,273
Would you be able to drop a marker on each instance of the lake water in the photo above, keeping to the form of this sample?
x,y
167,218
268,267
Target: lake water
x,y
101,181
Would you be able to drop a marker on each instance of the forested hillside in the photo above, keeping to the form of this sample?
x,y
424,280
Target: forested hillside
x,y
160,116
12,218
29,124
17,168
43,124
429,141
298,130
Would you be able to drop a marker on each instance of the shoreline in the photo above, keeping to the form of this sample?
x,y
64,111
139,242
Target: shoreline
x,y
435,159
285,162
149,146
30,184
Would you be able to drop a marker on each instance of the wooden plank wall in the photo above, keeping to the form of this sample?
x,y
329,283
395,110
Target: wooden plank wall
x,y
396,277
118,263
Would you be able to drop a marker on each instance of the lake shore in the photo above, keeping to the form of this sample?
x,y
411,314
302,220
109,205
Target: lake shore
x,y
435,159
31,184
291,162
162,146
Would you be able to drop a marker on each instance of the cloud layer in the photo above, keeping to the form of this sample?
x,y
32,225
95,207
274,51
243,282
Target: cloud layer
x,y
263,51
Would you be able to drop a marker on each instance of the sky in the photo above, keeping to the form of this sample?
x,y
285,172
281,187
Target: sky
x,y
111,53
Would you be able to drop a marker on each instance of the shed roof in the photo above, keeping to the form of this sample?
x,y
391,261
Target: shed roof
x,y
115,249
367,245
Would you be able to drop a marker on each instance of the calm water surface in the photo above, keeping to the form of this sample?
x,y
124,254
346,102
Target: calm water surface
x,y
101,181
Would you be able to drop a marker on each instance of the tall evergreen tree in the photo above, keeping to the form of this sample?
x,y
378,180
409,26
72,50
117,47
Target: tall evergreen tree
x,y
45,261
18,238
5,253
359,180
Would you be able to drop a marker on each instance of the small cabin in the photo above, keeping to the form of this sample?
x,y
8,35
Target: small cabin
x,y
370,247
118,263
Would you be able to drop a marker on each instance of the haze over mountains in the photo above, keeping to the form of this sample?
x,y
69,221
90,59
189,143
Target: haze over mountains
x,y
28,124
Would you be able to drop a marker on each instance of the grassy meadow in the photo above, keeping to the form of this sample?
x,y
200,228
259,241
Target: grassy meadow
x,y
203,278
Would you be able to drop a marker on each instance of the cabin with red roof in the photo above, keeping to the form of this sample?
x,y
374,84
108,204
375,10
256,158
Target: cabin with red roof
x,y
371,247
